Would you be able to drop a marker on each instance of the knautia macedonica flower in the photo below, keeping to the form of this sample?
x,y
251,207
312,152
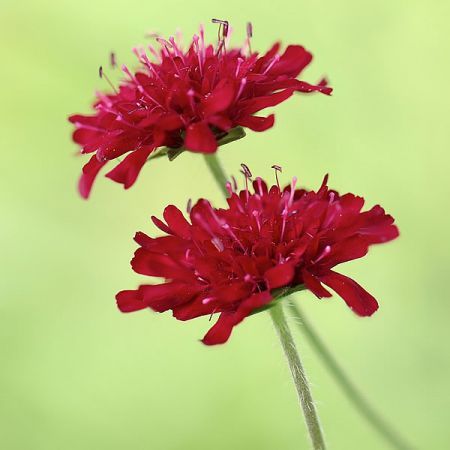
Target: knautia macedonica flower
x,y
236,260
186,99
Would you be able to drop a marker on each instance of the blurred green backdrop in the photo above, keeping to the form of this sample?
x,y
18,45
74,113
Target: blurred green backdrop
x,y
76,374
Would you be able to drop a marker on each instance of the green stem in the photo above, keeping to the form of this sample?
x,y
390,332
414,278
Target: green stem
x,y
352,392
299,376
217,172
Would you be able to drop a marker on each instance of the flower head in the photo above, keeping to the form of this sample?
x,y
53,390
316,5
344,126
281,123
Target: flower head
x,y
236,260
186,99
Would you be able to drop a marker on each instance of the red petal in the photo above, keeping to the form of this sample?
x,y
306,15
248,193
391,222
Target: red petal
x,y
157,265
161,297
303,86
256,123
161,225
90,171
257,104
200,138
177,222
313,284
292,61
170,122
222,329
220,121
84,136
278,276
130,301
142,239
357,298
220,98
128,170
193,309
233,292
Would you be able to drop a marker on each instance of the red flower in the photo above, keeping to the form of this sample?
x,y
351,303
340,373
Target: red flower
x,y
234,261
186,99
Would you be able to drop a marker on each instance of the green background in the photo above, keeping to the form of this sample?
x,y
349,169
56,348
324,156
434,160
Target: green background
x,y
77,374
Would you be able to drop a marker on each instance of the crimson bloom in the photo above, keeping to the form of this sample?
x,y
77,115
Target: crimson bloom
x,y
187,100
236,260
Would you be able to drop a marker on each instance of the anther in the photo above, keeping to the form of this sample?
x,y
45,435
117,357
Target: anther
x,y
223,27
222,33
248,176
249,36
277,169
235,185
102,74
112,60
246,171
249,30
189,206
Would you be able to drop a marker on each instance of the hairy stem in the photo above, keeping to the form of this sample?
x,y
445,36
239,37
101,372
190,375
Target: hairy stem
x,y
217,172
299,377
353,394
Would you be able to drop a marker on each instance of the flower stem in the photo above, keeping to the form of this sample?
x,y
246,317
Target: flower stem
x,y
217,172
299,376
347,386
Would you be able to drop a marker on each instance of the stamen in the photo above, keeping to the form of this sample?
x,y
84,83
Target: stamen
x,y
149,65
102,74
292,193
154,52
191,95
274,60
256,216
164,44
152,35
200,53
248,175
222,33
277,169
331,196
241,87
127,71
235,185
249,36
199,277
284,214
189,206
249,30
326,251
112,60
218,244
231,233
246,170
223,28
238,66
